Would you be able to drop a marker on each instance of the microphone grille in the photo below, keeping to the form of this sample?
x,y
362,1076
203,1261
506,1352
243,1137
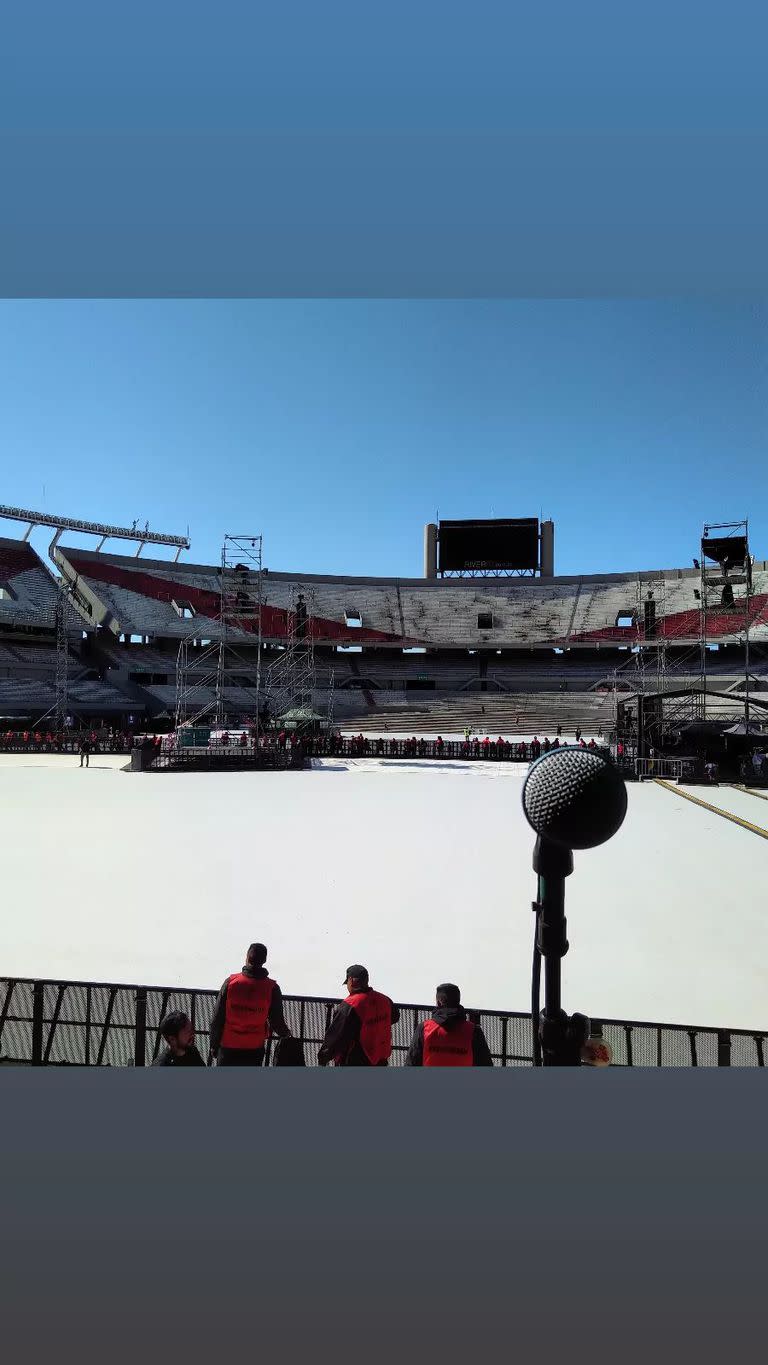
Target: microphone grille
x,y
574,797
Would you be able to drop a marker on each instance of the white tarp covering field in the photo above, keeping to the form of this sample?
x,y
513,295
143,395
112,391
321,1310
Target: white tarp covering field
x,y
420,870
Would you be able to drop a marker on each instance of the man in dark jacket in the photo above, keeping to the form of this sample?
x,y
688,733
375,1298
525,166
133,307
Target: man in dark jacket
x,y
179,1035
249,1005
360,1031
448,1037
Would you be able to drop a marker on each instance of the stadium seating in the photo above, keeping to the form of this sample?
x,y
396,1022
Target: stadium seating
x,y
28,589
136,597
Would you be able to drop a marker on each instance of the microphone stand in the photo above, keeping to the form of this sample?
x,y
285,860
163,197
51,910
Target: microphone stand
x,y
561,1037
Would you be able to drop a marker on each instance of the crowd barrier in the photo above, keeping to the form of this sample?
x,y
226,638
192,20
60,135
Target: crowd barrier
x,y
77,1023
18,745
509,751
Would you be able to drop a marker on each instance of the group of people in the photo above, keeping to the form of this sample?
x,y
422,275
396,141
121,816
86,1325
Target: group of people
x,y
249,1009
71,741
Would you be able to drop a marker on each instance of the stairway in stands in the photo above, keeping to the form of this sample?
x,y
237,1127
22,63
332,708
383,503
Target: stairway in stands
x,y
488,713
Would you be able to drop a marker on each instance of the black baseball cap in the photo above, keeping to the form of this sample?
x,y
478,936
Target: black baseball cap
x,y
357,972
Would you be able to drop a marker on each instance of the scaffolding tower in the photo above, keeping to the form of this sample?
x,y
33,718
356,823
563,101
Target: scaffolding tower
x,y
218,681
238,679
650,621
725,565
289,679
61,708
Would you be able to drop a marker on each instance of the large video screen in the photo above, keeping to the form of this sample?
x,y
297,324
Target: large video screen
x,y
472,546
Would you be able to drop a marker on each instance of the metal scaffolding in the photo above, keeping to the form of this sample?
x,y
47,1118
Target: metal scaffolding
x,y
219,681
238,679
725,565
289,679
61,708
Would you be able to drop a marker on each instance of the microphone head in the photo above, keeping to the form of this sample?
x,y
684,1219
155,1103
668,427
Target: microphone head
x,y
574,798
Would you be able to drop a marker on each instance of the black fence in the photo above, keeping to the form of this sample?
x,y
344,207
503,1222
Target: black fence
x,y
475,749
216,758
67,744
75,1023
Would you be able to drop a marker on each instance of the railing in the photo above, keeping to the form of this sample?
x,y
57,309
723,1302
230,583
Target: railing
x,y
218,757
675,769
17,744
472,750
58,1023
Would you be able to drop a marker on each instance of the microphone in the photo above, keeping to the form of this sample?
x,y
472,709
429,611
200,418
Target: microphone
x,y
572,798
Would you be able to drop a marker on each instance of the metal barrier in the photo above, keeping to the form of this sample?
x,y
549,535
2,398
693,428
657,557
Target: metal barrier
x,y
472,750
215,758
673,769
76,1023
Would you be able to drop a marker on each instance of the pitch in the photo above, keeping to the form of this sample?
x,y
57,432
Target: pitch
x,y
420,870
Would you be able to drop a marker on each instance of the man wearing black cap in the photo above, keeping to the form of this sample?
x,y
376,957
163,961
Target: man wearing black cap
x,y
250,1005
360,1032
448,1037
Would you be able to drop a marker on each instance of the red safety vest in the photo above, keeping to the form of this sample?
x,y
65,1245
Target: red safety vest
x,y
246,1018
375,1014
448,1047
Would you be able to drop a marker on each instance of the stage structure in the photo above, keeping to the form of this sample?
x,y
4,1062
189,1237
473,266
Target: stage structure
x,y
219,681
725,565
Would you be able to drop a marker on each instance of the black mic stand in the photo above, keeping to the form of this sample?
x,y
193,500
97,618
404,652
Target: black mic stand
x,y
561,1037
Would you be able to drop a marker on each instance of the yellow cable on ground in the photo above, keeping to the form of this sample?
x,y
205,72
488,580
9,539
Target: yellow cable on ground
x,y
750,791
726,814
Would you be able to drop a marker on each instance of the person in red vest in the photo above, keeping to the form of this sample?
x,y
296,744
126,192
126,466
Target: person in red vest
x,y
360,1031
448,1037
249,1006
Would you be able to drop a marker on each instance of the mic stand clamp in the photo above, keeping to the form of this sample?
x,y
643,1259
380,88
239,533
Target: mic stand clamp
x,y
561,1036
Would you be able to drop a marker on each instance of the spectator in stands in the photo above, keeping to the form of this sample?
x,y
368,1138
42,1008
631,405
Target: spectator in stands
x,y
555,743
85,751
546,746
448,1037
176,1028
249,1005
592,744
360,1031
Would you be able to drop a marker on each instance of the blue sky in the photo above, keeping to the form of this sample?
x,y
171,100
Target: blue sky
x,y
337,428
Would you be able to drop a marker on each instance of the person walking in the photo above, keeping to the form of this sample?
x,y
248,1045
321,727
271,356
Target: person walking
x,y
85,751
448,1037
249,1005
360,1031
179,1034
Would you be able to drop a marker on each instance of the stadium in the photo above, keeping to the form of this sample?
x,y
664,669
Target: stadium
x,y
314,752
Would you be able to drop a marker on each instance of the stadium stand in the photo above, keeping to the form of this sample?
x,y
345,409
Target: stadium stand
x,y
149,599
425,656
28,590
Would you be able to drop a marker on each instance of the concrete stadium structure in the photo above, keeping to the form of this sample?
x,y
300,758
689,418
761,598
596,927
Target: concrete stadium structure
x,y
505,655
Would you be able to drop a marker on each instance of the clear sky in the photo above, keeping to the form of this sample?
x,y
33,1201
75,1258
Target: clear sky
x,y
338,428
